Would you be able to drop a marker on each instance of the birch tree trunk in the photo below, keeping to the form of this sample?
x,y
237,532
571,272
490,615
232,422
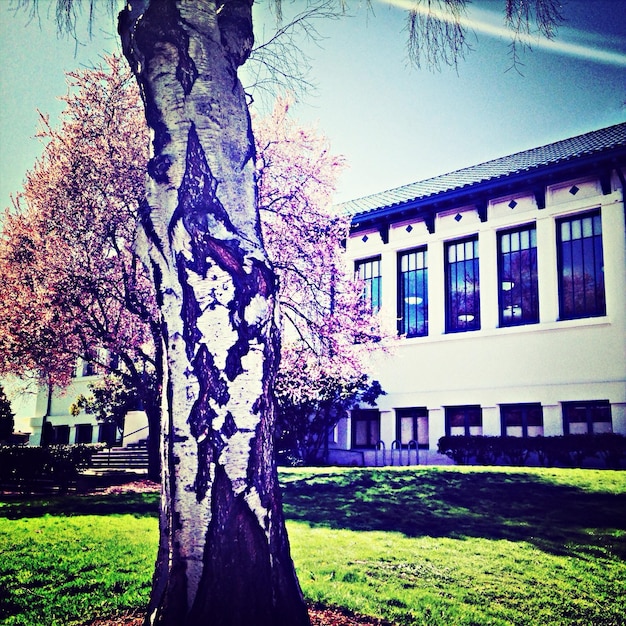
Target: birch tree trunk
x,y
223,556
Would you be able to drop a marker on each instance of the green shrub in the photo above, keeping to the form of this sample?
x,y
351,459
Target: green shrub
x,y
30,468
566,450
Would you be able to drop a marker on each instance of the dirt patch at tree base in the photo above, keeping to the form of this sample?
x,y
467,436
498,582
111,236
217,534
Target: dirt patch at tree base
x,y
319,617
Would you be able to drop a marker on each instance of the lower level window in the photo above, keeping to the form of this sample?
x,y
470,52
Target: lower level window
x,y
108,433
365,428
61,434
464,420
84,433
522,420
412,427
587,417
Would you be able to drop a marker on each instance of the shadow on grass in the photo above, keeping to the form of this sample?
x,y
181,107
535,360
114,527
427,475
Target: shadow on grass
x,y
494,505
137,504
560,519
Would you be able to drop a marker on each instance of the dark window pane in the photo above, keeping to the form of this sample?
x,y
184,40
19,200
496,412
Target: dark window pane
x,y
517,272
463,290
369,273
587,417
413,294
365,428
464,420
581,266
522,420
84,433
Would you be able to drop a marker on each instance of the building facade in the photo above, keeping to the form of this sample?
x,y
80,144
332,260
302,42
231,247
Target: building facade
x,y
36,409
506,284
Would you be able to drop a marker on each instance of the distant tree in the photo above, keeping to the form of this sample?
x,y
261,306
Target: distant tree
x,y
224,554
6,417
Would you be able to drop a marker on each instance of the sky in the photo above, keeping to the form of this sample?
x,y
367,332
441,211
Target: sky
x,y
393,123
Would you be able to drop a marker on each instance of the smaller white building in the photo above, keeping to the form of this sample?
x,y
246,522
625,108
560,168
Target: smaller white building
x,y
507,284
36,408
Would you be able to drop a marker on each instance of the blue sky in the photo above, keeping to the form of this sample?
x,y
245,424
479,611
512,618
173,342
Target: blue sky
x,y
393,123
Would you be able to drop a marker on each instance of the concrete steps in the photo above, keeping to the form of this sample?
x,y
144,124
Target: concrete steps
x,y
131,459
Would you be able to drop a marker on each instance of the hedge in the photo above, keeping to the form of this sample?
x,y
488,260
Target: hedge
x,y
565,450
31,469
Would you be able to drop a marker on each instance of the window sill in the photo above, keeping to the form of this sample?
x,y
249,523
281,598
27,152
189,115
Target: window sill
x,y
587,322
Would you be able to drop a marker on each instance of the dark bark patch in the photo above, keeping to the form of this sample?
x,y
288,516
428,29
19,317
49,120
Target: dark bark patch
x,y
210,441
203,478
145,217
197,199
235,24
229,428
190,311
186,72
161,22
211,383
236,585
212,389
158,168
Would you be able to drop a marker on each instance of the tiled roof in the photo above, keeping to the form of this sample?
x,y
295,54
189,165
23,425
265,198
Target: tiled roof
x,y
566,150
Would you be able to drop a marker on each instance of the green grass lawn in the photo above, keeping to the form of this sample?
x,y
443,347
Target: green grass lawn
x,y
413,546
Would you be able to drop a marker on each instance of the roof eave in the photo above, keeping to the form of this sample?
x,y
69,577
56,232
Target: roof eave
x,y
598,164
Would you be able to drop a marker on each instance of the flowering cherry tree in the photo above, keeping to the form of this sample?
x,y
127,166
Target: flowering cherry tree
x,y
71,283
326,331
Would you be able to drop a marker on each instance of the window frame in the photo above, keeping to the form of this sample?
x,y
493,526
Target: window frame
x,y
369,416
81,432
371,286
589,407
415,414
416,277
468,411
569,296
526,276
454,312
525,408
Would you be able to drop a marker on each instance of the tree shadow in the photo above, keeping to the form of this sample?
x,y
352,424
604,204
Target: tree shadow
x,y
495,505
137,504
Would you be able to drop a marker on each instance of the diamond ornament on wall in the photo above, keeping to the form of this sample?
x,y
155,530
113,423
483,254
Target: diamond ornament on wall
x,y
574,190
364,238
409,228
458,217
512,204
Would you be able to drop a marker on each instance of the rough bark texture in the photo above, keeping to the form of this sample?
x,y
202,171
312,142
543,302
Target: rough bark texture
x,y
223,556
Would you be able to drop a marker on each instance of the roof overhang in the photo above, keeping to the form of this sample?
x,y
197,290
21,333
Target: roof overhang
x,y
479,194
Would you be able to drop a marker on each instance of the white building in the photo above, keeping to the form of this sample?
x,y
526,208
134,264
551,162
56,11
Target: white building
x,y
507,283
34,407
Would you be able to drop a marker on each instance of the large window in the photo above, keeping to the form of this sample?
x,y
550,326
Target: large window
x,y
413,293
412,426
581,266
522,420
587,417
464,420
368,271
365,428
462,293
517,276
